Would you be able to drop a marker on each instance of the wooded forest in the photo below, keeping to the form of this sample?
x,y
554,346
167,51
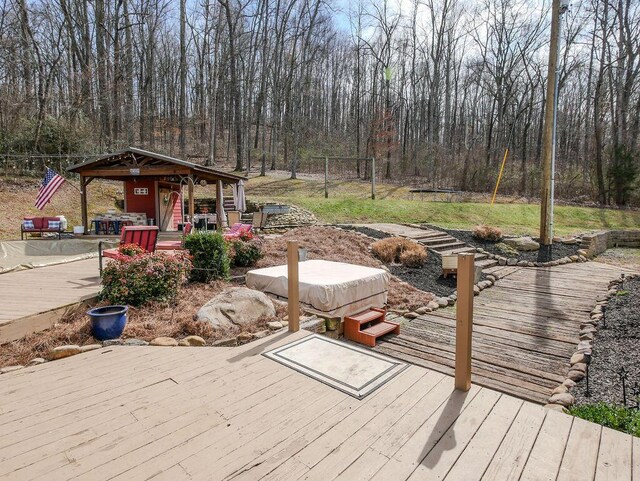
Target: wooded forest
x,y
436,90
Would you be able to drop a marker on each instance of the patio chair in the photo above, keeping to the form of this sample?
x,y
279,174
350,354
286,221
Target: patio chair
x,y
237,230
142,235
233,217
175,245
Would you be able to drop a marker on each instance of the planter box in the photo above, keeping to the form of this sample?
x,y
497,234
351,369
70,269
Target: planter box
x,y
275,209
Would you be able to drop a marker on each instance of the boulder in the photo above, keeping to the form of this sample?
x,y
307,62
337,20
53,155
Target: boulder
x,y
236,306
522,243
442,301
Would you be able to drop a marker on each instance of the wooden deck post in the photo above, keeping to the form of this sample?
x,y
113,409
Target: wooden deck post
x,y
191,200
464,320
83,203
326,177
293,294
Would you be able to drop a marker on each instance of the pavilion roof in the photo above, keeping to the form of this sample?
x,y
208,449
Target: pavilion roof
x,y
134,163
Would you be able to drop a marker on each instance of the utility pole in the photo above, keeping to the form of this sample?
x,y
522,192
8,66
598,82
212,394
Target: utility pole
x,y
548,160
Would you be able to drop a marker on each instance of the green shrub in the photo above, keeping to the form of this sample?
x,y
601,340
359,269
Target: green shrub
x,y
620,418
209,254
244,254
143,278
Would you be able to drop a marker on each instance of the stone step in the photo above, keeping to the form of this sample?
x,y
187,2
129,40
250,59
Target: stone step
x,y
429,235
461,250
437,240
486,263
446,246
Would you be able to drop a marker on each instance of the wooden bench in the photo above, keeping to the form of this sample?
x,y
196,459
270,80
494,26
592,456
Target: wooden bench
x,y
367,326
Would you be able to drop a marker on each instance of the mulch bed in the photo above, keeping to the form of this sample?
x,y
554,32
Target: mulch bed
x,y
558,249
427,278
615,347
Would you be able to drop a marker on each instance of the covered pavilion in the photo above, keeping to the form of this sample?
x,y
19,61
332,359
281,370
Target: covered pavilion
x,y
149,180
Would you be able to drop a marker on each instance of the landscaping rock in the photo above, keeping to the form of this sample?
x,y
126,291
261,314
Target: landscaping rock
x,y
164,341
90,347
522,243
274,325
569,383
586,336
476,290
230,342
569,241
522,263
7,369
423,310
245,337
560,389
579,366
194,341
563,399
36,361
512,261
575,376
63,351
236,306
555,407
579,358
261,334
408,315
442,302
502,261
333,324
113,342
433,305
135,342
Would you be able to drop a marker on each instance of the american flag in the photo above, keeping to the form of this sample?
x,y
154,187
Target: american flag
x,y
50,184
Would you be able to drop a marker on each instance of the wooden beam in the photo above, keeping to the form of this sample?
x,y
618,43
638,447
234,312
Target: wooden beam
x,y
144,171
293,293
192,206
464,321
84,183
220,220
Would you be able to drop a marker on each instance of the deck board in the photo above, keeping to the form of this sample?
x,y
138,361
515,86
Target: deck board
x,y
231,413
526,327
30,297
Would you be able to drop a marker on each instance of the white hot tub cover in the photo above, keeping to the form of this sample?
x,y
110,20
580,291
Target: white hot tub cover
x,y
328,288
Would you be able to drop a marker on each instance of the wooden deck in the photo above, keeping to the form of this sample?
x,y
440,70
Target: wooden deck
x,y
132,413
525,329
33,299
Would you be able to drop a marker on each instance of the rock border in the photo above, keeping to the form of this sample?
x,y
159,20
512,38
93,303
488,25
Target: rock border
x,y
581,358
581,256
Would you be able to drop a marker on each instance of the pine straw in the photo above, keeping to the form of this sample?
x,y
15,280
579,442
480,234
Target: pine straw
x,y
176,319
155,319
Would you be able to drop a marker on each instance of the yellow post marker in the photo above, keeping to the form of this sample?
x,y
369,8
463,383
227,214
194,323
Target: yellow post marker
x,y
464,321
504,161
293,293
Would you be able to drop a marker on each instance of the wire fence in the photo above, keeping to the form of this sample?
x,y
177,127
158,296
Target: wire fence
x,y
34,165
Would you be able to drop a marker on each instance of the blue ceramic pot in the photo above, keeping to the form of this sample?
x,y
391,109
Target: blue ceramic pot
x,y
108,322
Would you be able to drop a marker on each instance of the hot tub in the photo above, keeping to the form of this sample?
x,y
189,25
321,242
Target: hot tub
x,y
332,289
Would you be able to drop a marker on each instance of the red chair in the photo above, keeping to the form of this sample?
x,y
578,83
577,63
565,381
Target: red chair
x,y
142,235
176,244
237,230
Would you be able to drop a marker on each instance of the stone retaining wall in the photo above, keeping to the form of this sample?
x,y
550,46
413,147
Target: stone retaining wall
x,y
599,242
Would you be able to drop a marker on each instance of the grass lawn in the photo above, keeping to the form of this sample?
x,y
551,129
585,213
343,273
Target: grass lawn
x,y
348,203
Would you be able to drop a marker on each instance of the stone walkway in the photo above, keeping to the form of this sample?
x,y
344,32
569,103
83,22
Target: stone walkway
x,y
526,328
